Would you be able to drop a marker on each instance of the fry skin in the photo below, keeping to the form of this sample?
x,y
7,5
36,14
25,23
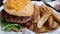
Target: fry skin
x,y
46,8
50,21
42,11
43,19
48,28
43,29
46,21
36,15
56,18
55,25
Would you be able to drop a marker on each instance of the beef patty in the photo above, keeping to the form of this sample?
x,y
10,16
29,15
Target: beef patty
x,y
16,19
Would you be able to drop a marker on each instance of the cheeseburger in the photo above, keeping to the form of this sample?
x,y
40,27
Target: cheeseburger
x,y
18,12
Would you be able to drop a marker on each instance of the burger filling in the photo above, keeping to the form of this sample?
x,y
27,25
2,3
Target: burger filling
x,y
22,20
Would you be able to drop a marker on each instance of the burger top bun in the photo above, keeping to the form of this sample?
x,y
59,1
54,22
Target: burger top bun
x,y
22,10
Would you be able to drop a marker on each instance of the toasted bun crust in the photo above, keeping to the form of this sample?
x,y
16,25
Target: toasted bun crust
x,y
26,11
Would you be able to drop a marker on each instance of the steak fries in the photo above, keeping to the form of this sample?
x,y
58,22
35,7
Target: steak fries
x,y
44,19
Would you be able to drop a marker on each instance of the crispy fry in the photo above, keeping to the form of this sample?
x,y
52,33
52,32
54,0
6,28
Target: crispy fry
x,y
42,11
55,25
31,28
43,19
47,26
36,15
46,8
35,28
52,24
50,21
56,18
43,29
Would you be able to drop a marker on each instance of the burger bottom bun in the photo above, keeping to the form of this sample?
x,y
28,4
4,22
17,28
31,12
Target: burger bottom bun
x,y
26,11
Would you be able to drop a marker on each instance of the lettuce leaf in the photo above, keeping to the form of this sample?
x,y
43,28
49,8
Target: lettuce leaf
x,y
8,26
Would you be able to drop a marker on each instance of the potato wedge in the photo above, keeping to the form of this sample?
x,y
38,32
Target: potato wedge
x,y
48,28
43,29
36,15
35,29
55,25
50,21
41,11
31,28
56,18
43,19
48,12
46,8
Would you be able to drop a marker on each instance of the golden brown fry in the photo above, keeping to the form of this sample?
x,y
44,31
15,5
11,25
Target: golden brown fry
x,y
43,29
43,19
41,24
55,25
48,28
56,18
36,15
46,8
31,28
42,11
50,21
35,29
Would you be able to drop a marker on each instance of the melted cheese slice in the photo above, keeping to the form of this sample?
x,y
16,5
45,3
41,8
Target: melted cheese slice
x,y
16,4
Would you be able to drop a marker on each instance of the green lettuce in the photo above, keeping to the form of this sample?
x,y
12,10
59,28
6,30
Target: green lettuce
x,y
8,26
